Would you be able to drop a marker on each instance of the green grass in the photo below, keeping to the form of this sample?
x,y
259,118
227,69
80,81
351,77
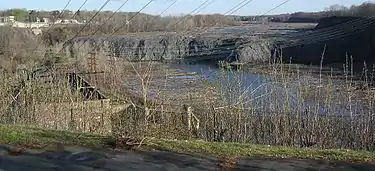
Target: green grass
x,y
242,150
23,135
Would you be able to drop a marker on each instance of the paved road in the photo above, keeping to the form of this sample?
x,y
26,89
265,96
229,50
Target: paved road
x,y
82,159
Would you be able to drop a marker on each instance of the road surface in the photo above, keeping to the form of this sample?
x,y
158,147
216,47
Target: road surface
x,y
76,158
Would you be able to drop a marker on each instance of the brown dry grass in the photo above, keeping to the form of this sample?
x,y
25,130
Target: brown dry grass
x,y
158,111
159,108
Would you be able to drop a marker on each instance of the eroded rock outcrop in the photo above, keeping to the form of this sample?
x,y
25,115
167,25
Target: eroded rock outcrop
x,y
171,46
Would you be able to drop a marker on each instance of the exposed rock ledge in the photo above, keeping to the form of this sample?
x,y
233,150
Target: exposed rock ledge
x,y
173,46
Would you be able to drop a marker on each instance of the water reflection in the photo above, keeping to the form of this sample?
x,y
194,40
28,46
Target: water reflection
x,y
243,89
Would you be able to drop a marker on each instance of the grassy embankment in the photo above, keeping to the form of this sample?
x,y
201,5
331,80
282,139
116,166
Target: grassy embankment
x,y
31,137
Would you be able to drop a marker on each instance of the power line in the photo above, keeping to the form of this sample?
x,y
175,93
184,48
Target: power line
x,y
92,18
135,14
207,49
278,6
272,9
343,33
111,16
199,8
123,23
236,6
330,30
131,18
53,24
243,5
205,6
231,11
140,11
165,10
108,19
84,3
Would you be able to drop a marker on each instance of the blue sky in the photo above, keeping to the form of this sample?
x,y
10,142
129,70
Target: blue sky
x,y
182,6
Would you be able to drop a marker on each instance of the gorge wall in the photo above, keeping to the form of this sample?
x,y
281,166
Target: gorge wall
x,y
172,46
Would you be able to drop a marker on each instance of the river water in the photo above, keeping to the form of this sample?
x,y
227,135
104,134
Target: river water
x,y
262,92
239,88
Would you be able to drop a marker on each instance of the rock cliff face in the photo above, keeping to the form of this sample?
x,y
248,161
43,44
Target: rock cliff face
x,y
171,46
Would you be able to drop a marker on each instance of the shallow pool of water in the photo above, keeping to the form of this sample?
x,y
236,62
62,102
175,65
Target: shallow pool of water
x,y
238,87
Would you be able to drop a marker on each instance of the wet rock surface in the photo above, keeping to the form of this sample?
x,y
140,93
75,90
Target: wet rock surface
x,y
79,158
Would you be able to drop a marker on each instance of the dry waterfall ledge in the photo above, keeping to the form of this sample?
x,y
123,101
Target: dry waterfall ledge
x,y
172,46
37,138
